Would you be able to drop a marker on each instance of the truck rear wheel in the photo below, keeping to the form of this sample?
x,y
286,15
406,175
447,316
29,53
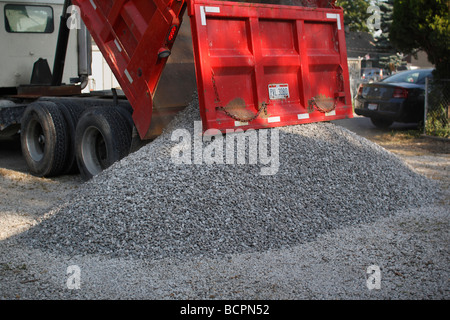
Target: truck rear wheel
x,y
44,139
72,113
102,137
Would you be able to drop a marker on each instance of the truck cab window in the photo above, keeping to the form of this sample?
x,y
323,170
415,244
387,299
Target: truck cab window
x,y
28,19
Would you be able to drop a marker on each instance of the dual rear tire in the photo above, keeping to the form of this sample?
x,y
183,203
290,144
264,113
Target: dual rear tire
x,y
63,138
103,136
44,139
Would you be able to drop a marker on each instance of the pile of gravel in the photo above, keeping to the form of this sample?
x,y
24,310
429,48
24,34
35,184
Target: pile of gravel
x,y
147,206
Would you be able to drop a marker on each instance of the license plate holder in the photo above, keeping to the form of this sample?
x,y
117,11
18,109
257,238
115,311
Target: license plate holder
x,y
372,106
278,91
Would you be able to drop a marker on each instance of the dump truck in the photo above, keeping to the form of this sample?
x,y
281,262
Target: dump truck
x,y
253,65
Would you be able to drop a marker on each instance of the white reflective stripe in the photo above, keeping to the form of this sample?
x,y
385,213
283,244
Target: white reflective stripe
x,y
273,119
302,116
202,15
240,123
118,45
93,4
128,76
331,113
336,17
212,9
203,11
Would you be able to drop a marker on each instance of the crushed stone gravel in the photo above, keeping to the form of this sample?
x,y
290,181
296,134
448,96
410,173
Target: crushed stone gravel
x,y
411,249
148,207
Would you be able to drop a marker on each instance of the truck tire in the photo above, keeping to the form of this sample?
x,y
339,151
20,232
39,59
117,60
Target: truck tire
x,y
44,139
102,137
72,113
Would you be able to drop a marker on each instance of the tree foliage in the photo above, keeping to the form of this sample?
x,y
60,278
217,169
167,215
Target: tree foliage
x,y
423,25
394,60
387,17
355,14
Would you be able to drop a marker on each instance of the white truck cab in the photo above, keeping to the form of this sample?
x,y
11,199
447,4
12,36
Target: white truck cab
x,y
29,31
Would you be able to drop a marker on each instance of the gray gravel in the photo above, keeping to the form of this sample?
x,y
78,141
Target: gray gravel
x,y
149,228
148,207
411,248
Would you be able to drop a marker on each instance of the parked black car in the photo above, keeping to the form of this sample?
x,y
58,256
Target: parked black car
x,y
398,98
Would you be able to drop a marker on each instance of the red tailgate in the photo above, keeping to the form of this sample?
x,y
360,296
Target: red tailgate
x,y
264,65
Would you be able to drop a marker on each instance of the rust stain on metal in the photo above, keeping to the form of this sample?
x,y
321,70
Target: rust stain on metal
x,y
237,110
322,103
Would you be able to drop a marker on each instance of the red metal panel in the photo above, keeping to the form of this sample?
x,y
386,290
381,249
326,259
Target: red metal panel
x,y
130,34
264,65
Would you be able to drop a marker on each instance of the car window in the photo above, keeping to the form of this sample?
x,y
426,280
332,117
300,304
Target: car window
x,y
408,76
423,78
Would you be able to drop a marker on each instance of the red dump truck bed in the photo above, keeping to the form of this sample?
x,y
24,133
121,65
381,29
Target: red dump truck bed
x,y
257,65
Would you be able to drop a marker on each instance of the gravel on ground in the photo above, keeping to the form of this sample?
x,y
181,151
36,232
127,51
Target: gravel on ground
x,y
148,228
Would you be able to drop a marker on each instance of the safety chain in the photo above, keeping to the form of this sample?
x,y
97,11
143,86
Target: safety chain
x,y
340,79
312,103
263,107
233,116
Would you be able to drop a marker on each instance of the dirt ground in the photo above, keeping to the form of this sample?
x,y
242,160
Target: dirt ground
x,y
427,155
25,198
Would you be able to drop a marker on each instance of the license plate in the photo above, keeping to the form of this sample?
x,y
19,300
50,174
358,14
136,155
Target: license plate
x,y
278,91
372,106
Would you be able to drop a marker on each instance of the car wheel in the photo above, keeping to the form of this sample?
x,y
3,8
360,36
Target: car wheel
x,y
44,139
102,137
381,123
